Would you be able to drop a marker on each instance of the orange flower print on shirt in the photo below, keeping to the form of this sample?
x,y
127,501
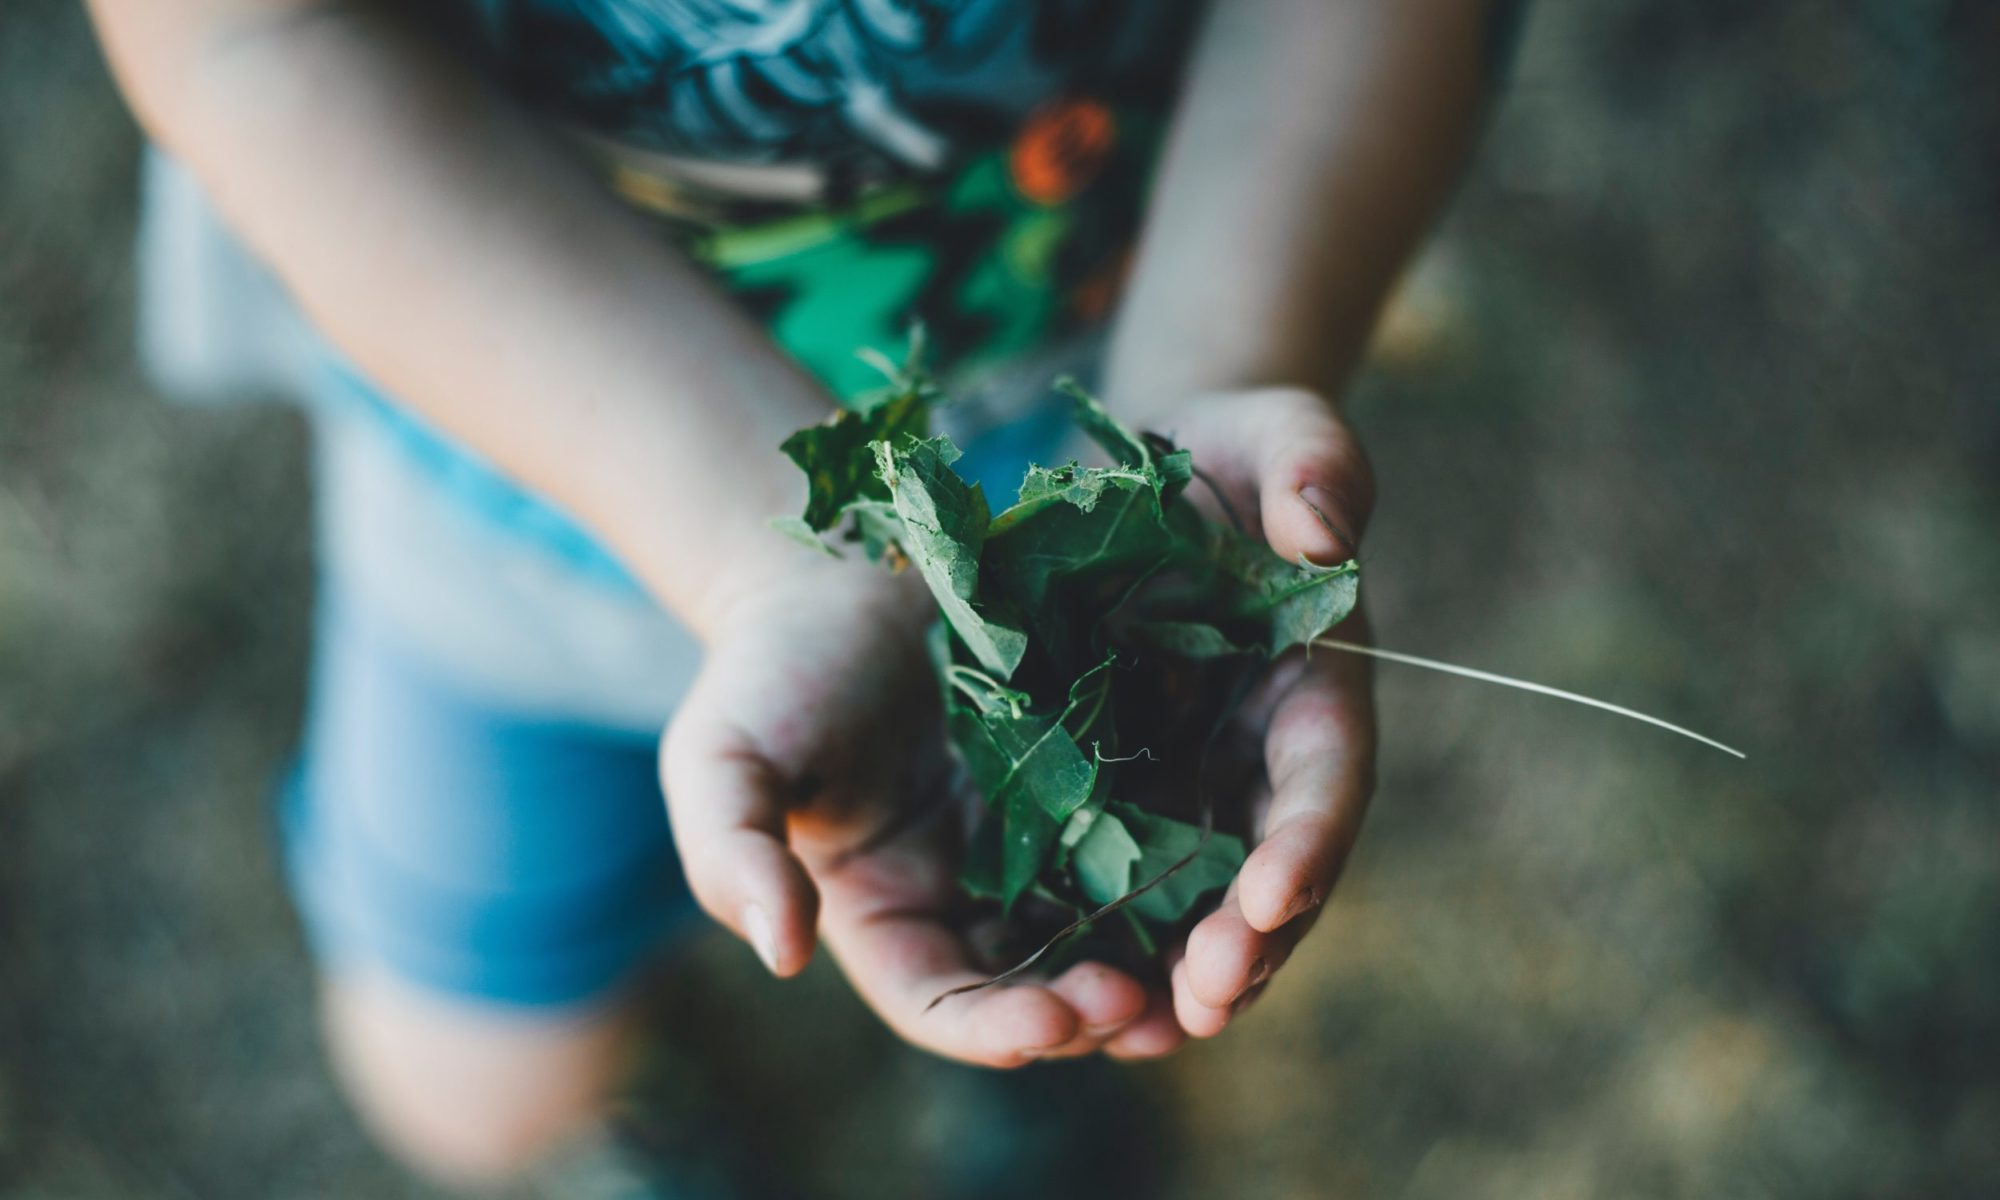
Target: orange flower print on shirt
x,y
1060,149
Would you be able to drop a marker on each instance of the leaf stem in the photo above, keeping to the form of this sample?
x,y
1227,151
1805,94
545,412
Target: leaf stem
x,y
1523,684
956,671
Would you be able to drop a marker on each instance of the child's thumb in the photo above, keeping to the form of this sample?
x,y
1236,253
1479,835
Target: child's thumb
x,y
1315,487
727,807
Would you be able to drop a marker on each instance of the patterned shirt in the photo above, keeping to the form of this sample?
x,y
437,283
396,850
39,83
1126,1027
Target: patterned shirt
x,y
868,88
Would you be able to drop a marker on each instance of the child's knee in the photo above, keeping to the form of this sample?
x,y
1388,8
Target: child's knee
x,y
464,1093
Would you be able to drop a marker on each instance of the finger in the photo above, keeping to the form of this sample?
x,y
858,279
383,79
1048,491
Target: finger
x,y
1155,1033
1105,1001
1320,755
1227,956
883,920
901,963
1315,487
1196,1019
727,806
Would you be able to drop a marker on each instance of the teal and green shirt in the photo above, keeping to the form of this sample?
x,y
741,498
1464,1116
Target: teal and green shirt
x,y
847,166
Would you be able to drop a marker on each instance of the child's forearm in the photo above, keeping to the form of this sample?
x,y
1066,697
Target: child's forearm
x,y
471,268
1314,142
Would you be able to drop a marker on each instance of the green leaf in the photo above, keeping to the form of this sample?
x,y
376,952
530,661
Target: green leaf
x,y
836,456
1032,774
1044,764
1294,602
1124,446
1082,530
1163,842
1027,765
1079,825
979,875
1078,485
1121,532
1173,468
944,527
1103,856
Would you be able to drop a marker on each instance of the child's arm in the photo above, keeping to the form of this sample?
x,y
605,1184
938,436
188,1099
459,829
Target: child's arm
x,y
468,266
464,262
1313,144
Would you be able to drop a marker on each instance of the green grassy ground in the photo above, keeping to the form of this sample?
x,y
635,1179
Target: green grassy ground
x,y
1693,407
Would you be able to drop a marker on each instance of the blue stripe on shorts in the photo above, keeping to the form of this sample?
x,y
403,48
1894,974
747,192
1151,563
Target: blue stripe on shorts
x,y
468,849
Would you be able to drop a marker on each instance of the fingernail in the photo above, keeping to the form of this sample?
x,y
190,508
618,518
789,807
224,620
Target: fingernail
x,y
1321,502
763,938
1306,900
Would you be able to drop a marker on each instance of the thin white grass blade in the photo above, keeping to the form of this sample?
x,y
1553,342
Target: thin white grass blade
x,y
1524,685
880,361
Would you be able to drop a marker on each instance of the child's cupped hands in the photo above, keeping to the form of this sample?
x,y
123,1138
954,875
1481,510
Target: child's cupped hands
x,y
812,796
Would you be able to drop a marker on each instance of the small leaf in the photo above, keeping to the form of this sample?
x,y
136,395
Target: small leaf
x,y
1121,532
1103,857
1079,825
1032,774
836,456
1175,469
1172,468
979,875
1295,602
1078,485
1163,842
1125,447
944,527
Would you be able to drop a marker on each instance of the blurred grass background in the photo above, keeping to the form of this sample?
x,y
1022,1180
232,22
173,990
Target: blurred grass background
x,y
1691,404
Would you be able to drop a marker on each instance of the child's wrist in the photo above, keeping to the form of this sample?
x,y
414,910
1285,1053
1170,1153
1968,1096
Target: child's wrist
x,y
756,564
774,569
1162,410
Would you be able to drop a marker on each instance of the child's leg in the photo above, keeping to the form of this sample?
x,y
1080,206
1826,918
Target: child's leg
x,y
485,869
464,1093
483,889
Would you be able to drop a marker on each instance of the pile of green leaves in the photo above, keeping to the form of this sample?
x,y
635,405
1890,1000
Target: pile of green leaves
x,y
1095,636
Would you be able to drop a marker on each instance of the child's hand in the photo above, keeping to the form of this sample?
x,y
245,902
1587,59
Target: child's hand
x,y
1294,474
806,777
